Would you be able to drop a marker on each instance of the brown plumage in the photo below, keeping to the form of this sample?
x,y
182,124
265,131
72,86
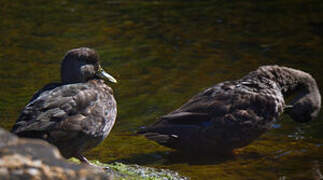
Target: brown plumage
x,y
76,114
232,114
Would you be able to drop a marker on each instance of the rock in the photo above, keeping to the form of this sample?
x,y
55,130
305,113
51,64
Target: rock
x,y
124,171
22,159
36,159
134,172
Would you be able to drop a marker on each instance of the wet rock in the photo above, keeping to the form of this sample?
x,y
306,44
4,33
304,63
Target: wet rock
x,y
36,159
134,172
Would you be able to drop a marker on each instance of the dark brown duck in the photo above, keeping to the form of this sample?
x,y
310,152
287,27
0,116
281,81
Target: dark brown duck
x,y
232,114
76,114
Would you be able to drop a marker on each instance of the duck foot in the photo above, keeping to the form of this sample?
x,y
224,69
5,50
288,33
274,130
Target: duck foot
x,y
88,163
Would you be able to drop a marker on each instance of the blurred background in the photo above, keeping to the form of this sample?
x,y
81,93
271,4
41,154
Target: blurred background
x,y
162,53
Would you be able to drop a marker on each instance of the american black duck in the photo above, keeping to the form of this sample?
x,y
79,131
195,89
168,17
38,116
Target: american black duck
x,y
75,114
232,114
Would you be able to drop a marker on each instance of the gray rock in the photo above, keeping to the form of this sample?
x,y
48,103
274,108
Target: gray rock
x,y
36,159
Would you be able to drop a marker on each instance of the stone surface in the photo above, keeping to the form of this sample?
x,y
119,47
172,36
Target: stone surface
x,y
36,159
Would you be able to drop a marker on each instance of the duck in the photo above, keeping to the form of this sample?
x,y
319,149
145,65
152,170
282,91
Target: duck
x,y
232,114
75,114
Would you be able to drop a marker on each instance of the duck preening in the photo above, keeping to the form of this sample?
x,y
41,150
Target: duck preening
x,y
75,114
232,114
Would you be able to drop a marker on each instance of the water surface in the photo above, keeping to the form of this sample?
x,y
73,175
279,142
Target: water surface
x,y
162,53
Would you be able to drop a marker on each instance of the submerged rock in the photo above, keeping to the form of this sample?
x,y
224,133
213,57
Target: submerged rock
x,y
36,159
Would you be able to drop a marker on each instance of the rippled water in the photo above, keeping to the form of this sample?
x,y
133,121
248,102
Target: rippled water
x,y
162,53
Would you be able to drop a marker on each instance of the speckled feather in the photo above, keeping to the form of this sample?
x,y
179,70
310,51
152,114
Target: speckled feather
x,y
82,108
231,114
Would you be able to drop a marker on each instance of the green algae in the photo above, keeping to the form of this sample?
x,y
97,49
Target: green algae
x,y
135,172
162,53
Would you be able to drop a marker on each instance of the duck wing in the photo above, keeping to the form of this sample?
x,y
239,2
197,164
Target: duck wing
x,y
47,87
62,107
184,125
200,109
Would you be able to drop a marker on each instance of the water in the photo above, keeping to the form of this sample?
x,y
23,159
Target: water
x,y
162,53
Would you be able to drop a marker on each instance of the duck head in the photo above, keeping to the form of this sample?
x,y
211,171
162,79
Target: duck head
x,y
305,107
82,64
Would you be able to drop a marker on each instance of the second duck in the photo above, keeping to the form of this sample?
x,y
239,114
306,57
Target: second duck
x,y
232,114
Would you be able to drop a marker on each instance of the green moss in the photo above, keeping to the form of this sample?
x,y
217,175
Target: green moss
x,y
135,172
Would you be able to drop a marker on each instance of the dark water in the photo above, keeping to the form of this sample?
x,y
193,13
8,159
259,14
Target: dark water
x,y
162,53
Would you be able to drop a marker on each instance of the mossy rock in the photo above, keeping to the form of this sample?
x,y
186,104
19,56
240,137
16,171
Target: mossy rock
x,y
132,172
